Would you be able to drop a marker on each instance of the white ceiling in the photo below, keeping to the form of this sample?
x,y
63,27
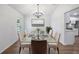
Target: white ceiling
x,y
75,13
29,9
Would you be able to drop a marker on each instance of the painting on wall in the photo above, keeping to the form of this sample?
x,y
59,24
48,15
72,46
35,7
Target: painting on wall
x,y
37,22
70,18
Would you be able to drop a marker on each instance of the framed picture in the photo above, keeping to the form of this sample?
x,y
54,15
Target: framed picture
x,y
37,22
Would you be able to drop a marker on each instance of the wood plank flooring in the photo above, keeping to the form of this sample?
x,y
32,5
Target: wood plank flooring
x,y
68,49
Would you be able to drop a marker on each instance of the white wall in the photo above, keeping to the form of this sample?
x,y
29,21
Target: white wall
x,y
57,21
28,26
8,33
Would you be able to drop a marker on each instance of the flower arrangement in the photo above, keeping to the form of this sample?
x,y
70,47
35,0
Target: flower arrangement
x,y
48,28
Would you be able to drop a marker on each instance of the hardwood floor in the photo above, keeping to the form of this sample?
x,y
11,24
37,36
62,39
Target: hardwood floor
x,y
68,49
14,49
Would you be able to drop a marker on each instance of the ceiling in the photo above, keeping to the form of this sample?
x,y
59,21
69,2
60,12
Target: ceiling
x,y
29,9
73,13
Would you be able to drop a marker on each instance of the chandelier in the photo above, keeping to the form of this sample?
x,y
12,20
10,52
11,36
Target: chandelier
x,y
38,14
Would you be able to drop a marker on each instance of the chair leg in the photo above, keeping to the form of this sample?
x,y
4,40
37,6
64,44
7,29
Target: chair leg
x,y
58,50
19,50
30,50
49,51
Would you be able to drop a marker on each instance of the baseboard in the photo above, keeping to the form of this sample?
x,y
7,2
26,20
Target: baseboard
x,y
8,47
63,43
67,43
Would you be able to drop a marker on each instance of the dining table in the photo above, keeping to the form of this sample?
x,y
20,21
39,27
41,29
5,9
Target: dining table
x,y
50,40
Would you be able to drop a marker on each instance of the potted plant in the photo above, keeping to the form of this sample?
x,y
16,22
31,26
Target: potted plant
x,y
48,28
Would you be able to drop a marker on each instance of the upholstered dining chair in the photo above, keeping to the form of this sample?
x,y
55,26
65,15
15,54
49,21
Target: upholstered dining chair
x,y
39,46
50,32
55,45
22,40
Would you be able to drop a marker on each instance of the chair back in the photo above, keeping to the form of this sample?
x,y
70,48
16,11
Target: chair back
x,y
39,46
50,32
57,37
53,33
21,35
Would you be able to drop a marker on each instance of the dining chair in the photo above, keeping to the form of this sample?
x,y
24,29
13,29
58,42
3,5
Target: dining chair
x,y
39,46
22,40
50,32
55,45
57,38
